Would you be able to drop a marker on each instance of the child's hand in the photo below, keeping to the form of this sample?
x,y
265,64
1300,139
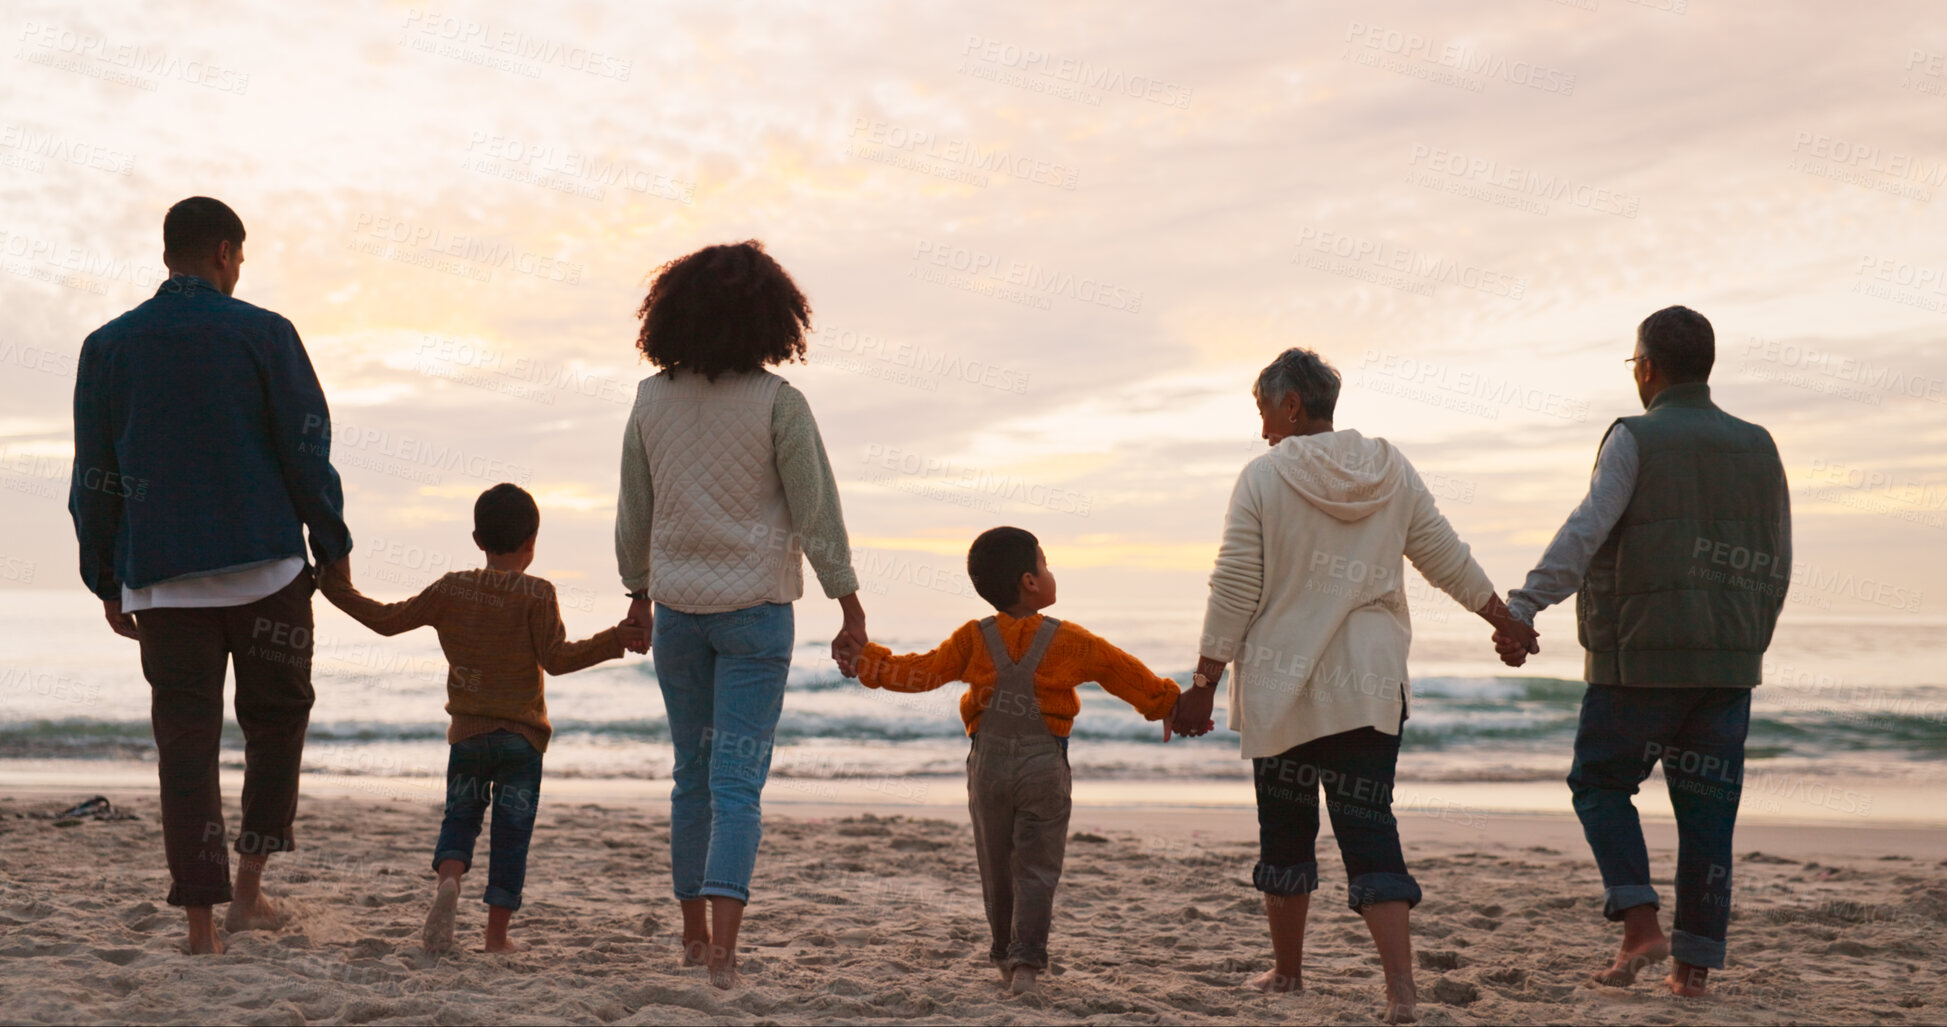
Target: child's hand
x,y
1172,727
634,637
846,655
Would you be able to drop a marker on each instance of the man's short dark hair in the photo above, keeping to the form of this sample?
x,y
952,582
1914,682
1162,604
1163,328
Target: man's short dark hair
x,y
193,228
504,518
1680,341
723,309
996,561
1306,373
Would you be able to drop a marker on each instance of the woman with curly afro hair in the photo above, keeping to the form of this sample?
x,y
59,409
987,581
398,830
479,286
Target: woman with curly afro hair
x,y
725,489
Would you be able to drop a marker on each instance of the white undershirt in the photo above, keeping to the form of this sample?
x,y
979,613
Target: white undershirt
x,y
227,587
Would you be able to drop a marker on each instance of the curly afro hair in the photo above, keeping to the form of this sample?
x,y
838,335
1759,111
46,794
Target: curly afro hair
x,y
727,308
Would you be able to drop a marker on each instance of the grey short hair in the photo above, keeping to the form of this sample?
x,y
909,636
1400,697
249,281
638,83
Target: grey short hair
x,y
1306,373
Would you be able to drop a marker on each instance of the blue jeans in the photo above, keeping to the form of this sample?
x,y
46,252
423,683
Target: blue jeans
x,y
1698,735
722,676
1355,768
504,770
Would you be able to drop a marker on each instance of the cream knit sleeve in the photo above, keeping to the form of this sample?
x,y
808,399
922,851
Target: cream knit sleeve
x,y
1437,551
1237,581
811,491
635,507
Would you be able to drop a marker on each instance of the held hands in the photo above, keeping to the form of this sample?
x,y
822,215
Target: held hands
x,y
1191,717
635,638
851,638
1513,639
336,574
638,627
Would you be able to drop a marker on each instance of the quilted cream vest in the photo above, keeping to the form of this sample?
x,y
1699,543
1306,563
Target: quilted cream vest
x,y
721,537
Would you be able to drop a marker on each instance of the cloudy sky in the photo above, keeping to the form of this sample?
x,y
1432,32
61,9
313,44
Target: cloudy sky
x,y
1047,247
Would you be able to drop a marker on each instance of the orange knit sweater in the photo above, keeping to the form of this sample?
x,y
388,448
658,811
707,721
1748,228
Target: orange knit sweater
x,y
1074,656
499,631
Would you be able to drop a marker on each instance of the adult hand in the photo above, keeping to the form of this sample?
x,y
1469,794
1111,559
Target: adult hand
x,y
1513,639
122,624
1515,643
633,638
851,638
1192,715
337,572
642,614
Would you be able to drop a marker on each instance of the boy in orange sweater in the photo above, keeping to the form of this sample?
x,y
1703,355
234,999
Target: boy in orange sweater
x,y
499,628
1022,670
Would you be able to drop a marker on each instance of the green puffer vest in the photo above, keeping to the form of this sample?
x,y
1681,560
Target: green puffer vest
x,y
1687,588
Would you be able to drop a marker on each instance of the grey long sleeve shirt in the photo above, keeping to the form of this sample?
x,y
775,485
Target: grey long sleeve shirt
x,y
1566,560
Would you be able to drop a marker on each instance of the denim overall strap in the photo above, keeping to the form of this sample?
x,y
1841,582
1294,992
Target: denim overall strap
x,y
1012,711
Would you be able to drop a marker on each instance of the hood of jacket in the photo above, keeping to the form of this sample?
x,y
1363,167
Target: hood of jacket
x,y
1342,473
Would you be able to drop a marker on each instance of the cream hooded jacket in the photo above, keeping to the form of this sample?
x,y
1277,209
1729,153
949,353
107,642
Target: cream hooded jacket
x,y
1308,600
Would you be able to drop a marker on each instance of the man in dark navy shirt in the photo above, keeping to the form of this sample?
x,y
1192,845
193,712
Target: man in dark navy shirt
x,y
201,454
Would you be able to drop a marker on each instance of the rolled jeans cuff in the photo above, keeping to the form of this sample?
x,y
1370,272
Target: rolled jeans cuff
x,y
1696,950
498,896
263,843
1372,889
728,891
1294,879
191,895
1627,896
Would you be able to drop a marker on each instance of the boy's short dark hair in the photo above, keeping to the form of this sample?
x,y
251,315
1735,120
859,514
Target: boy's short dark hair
x,y
504,518
723,308
1681,342
996,561
193,228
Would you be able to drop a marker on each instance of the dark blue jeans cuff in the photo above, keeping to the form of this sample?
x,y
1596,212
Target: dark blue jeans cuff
x,y
1696,950
1627,896
728,891
442,855
1295,879
498,896
1371,889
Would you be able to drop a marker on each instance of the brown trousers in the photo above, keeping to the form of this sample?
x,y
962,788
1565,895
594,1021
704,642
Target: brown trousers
x,y
184,653
1018,796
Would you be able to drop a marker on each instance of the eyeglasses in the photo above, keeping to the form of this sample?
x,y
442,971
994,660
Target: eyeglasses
x,y
1631,360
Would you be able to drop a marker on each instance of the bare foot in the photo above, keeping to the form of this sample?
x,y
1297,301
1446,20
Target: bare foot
x,y
1007,971
1687,981
1275,982
725,977
696,951
438,935
503,945
1630,962
1401,999
203,939
1022,980
254,914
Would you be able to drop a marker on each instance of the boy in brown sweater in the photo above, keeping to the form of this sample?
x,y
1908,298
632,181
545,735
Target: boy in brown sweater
x,y
500,629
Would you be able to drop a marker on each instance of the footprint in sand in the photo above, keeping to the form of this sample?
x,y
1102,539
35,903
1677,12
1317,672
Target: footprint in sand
x,y
119,957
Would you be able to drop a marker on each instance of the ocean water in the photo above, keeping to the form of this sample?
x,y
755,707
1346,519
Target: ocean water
x,y
1853,700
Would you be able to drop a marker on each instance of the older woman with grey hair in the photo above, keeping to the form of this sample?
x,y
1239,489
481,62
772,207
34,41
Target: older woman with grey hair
x,y
1307,601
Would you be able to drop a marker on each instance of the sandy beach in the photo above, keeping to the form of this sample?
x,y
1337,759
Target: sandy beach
x,y
863,916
